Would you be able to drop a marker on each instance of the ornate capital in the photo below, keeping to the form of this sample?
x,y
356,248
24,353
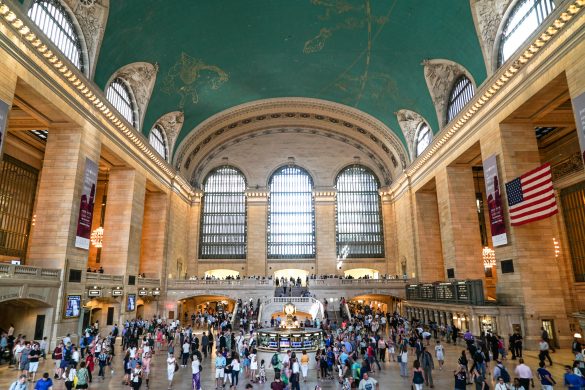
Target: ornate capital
x,y
488,15
171,123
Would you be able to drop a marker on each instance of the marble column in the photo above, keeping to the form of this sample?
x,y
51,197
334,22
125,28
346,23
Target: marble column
x,y
257,239
326,259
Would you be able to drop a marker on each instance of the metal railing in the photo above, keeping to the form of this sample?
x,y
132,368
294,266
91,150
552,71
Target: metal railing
x,y
14,271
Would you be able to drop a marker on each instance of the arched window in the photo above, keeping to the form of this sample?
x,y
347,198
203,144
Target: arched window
x,y
118,93
291,215
461,94
223,220
423,138
158,141
524,19
54,20
359,223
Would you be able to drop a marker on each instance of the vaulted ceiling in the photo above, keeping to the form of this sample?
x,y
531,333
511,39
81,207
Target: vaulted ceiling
x,y
362,53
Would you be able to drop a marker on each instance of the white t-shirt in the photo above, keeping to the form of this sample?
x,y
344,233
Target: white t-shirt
x,y
235,365
186,348
369,384
195,366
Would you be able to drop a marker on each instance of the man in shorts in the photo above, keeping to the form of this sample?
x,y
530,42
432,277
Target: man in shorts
x,y
33,359
219,370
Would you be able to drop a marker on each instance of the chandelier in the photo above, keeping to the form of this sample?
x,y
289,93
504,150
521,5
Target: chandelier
x,y
97,236
489,257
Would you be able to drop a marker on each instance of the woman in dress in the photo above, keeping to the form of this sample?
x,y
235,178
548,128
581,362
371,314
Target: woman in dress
x,y
146,361
171,364
253,364
440,353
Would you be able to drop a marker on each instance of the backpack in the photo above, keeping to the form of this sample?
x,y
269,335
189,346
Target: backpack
x,y
504,374
274,360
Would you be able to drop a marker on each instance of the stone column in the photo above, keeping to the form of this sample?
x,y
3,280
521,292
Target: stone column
x,y
123,222
389,228
326,259
430,267
460,236
194,235
257,239
154,229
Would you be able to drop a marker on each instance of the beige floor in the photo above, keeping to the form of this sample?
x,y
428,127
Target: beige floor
x,y
389,376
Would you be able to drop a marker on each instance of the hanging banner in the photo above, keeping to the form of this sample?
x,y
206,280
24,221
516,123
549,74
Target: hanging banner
x,y
579,112
86,207
4,108
494,201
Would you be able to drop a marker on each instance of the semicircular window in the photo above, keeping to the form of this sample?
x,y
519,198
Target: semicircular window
x,y
423,138
461,94
118,93
523,20
359,222
291,214
158,141
223,220
54,20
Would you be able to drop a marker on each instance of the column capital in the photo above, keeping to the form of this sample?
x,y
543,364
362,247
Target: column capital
x,y
257,195
325,194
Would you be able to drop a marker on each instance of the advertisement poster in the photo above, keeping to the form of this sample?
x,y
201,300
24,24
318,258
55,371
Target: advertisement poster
x,y
131,305
86,206
494,201
579,112
4,108
73,306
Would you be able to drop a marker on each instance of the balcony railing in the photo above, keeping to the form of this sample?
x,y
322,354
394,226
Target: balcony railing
x,y
14,271
148,282
219,283
104,278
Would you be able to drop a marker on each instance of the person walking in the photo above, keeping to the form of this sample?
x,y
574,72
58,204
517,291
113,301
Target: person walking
x,y
524,374
235,372
544,353
460,376
428,366
136,377
403,360
546,380
172,366
196,371
440,354
304,365
417,378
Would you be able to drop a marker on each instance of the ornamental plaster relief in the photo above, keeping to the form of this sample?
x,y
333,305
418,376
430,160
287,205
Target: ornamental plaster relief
x,y
409,122
92,16
172,123
488,15
440,75
141,77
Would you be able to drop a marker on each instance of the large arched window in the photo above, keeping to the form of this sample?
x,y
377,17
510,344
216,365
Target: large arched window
x,y
223,220
461,94
423,138
359,223
118,93
524,19
54,20
158,141
291,215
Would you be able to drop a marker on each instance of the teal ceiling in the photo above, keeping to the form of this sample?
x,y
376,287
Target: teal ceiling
x,y
214,55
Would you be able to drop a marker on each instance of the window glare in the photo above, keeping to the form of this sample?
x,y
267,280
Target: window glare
x,y
52,18
423,139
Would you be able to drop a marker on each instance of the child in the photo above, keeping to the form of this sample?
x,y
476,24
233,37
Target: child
x,y
262,373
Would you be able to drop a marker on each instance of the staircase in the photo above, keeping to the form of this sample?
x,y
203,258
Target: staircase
x,y
291,291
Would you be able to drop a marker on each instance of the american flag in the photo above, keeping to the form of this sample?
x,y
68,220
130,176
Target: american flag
x,y
531,197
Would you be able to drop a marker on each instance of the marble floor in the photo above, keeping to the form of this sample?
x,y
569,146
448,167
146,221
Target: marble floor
x,y
388,377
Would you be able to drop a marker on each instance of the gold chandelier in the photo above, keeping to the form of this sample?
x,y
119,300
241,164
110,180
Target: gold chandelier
x,y
489,257
97,237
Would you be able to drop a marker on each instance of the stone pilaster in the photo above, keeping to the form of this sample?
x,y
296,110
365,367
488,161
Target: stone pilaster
x,y
123,222
257,218
325,231
430,267
194,234
460,235
389,229
154,229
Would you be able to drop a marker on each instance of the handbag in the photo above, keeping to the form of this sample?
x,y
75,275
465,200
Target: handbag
x,y
399,358
176,366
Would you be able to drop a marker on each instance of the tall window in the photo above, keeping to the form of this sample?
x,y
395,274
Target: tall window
x,y
359,224
223,221
291,215
461,94
118,93
54,20
158,141
423,138
524,19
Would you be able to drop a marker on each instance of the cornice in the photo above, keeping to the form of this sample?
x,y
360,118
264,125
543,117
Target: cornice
x,y
87,92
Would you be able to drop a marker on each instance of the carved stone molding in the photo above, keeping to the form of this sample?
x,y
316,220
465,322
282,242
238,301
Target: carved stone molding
x,y
488,15
440,75
288,112
409,122
171,123
141,77
92,16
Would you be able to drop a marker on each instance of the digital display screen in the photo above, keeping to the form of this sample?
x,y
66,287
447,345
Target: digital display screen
x,y
73,306
131,302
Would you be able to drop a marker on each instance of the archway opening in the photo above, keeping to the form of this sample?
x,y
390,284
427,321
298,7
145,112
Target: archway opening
x,y
374,304
362,273
221,274
292,274
28,316
191,309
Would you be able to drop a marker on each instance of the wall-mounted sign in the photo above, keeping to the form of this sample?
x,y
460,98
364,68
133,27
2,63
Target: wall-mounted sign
x,y
72,306
86,205
94,293
4,109
142,292
156,292
117,293
579,112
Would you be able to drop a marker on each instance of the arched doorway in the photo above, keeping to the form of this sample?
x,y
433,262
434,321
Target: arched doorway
x,y
362,273
216,305
28,316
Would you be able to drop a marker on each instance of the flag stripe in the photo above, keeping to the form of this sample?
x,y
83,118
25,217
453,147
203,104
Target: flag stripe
x,y
531,197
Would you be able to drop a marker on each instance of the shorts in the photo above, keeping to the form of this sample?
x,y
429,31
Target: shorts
x,y
219,372
24,366
33,366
